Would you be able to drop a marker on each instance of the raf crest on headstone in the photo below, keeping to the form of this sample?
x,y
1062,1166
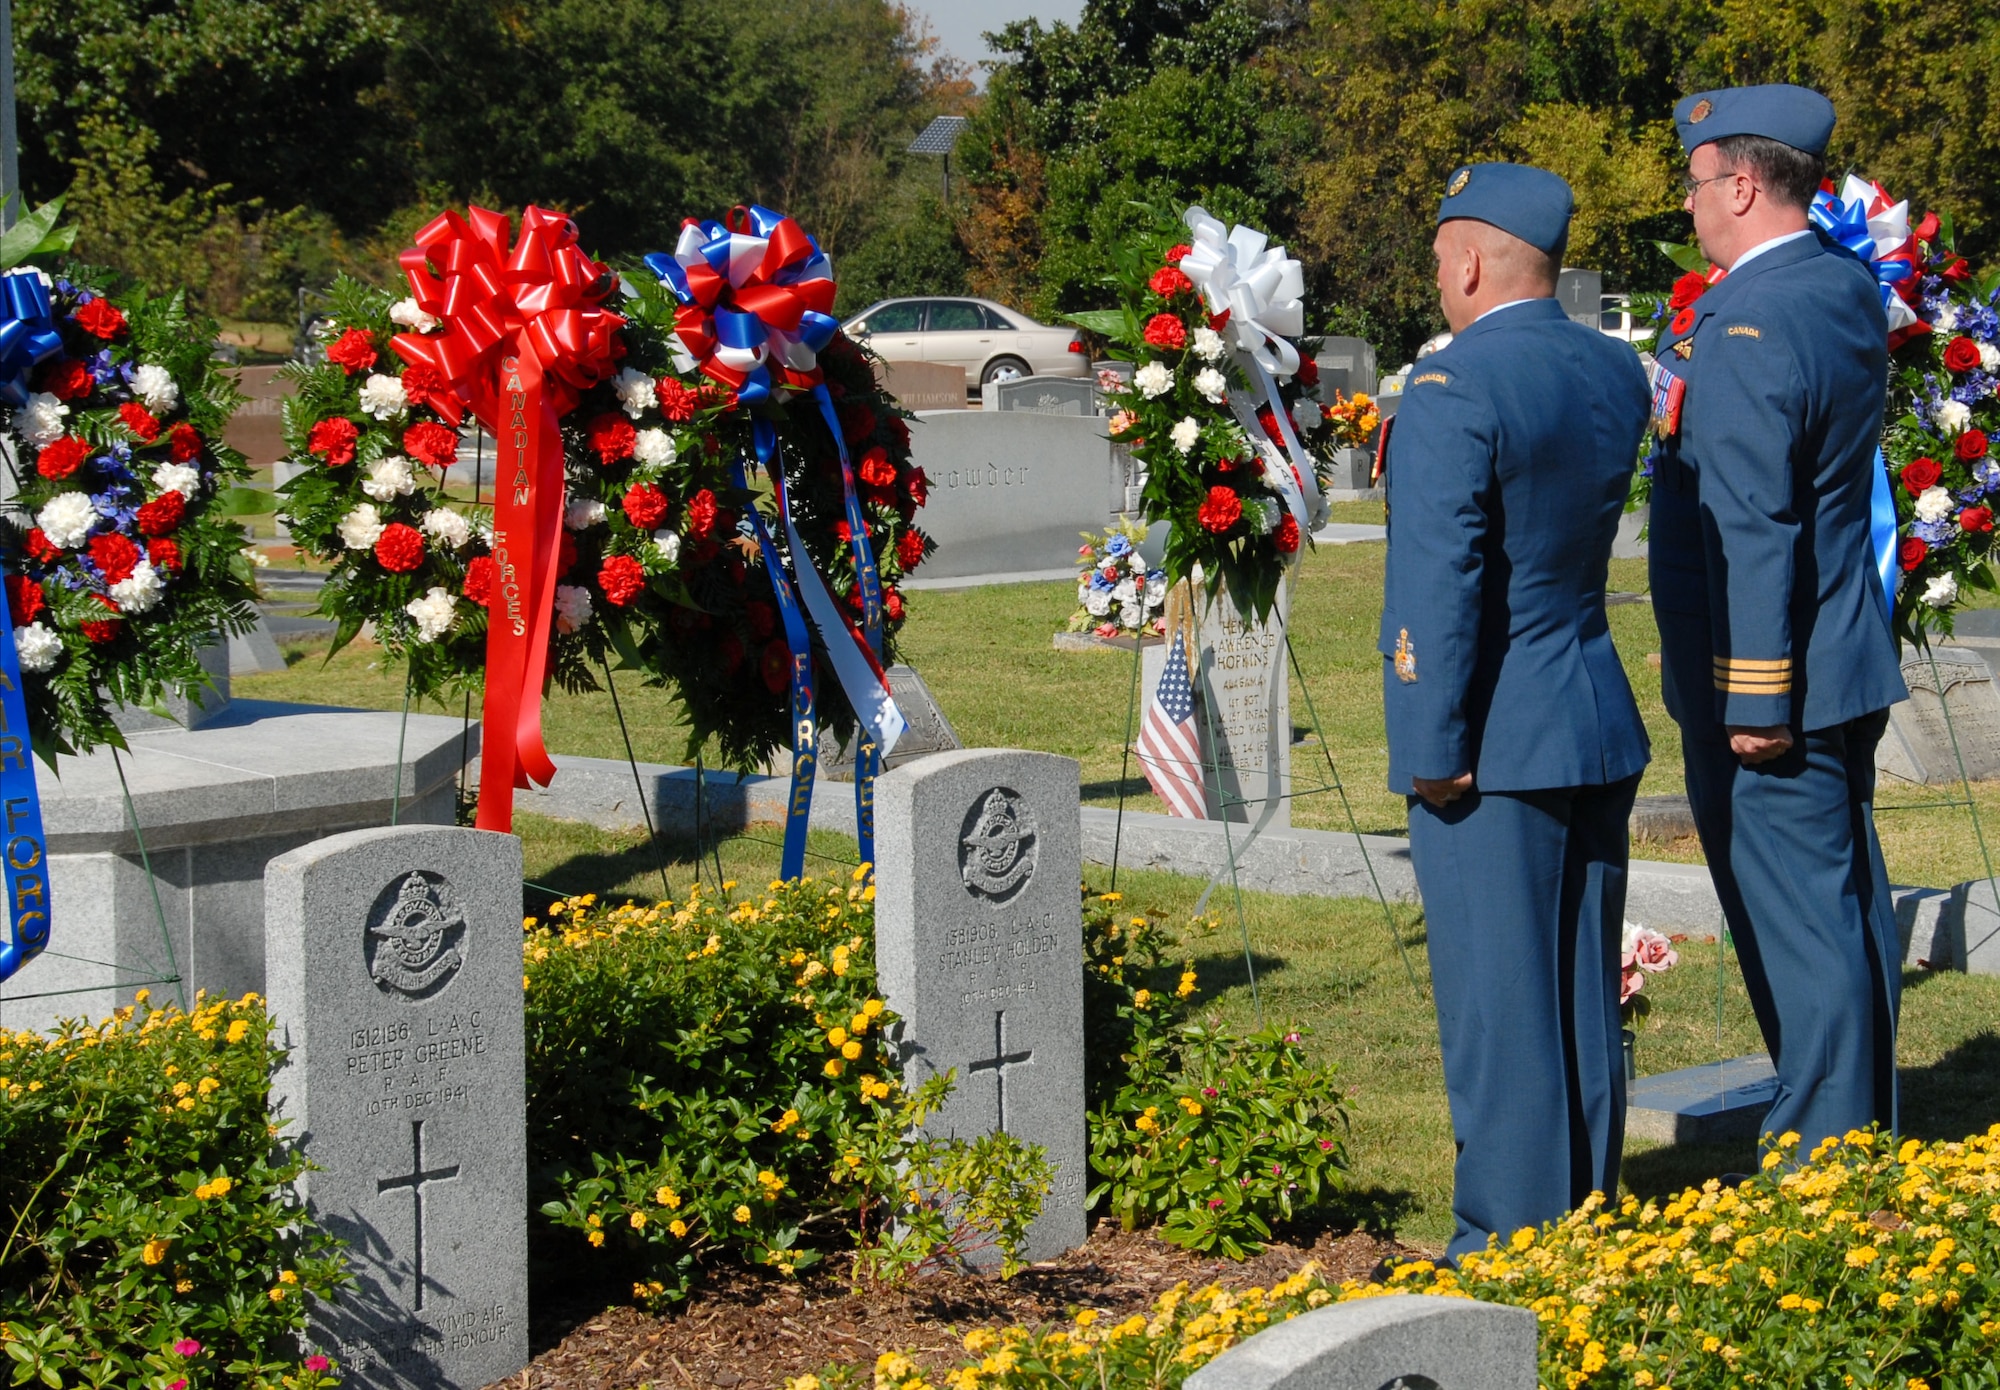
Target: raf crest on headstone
x,y
415,936
996,851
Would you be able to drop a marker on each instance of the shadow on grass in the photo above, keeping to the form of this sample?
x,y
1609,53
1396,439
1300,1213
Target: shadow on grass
x,y
591,870
1377,1210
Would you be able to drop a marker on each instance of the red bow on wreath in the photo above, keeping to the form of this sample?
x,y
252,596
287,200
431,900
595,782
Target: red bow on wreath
x,y
522,336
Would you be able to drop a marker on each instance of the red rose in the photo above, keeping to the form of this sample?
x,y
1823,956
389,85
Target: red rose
x,y
69,380
1687,290
400,548
101,319
1976,519
1927,229
775,666
701,510
184,443
919,486
1168,282
1222,509
333,440
677,403
1957,270
114,555
612,436
431,444
41,547
876,470
1167,331
1286,537
645,506
1178,252
857,422
892,604
1961,354
63,457
165,555
910,550
1971,445
24,599
1920,473
478,586
1308,373
1912,552
763,618
353,351
140,421
622,578
1682,321
163,515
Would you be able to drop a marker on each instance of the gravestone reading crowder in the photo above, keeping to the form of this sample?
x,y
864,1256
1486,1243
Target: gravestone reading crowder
x,y
979,945
1410,1342
394,968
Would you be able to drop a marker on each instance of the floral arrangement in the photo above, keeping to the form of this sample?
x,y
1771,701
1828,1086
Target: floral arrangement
x,y
1116,594
1351,421
1222,411
124,558
1643,952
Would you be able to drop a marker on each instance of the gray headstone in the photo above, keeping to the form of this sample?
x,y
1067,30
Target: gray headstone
x,y
1246,729
1353,472
979,945
1346,365
1404,1343
189,709
924,385
928,730
1702,1105
1963,935
395,976
1581,294
1918,746
1042,395
1010,489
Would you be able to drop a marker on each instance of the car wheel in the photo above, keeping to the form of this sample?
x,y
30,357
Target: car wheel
x,y
1004,369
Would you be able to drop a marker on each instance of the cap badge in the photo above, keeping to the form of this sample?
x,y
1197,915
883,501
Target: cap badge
x,y
1701,111
1458,183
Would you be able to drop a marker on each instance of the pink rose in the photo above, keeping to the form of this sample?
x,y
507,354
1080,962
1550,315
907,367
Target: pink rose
x,y
1629,985
1652,952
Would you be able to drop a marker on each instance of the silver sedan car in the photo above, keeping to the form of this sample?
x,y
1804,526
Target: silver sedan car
x,y
992,342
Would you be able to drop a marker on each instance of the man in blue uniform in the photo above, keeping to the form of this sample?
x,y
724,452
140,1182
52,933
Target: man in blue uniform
x,y
1511,725
1776,653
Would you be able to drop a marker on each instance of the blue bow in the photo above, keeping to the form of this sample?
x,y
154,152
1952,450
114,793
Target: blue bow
x,y
1845,224
28,335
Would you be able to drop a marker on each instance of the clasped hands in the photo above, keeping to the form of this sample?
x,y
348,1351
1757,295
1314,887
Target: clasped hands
x,y
1753,744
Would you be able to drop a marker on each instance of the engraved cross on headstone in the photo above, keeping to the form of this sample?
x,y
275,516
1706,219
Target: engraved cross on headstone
x,y
998,1064
415,1180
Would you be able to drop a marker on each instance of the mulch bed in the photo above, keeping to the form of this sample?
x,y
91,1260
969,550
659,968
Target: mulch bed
x,y
747,1331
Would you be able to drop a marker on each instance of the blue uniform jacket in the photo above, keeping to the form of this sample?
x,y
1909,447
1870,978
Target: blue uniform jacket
x,y
1507,471
1763,577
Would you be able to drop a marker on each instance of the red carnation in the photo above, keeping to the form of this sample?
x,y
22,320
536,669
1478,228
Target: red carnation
x,y
645,506
677,403
1308,373
1178,252
333,440
892,605
1168,282
102,630
400,548
1913,552
1222,509
114,555
1269,420
763,618
353,350
857,422
919,485
41,547
478,586
165,555
775,666
876,470
100,318
1286,537
1920,473
1971,445
431,444
163,515
141,421
24,599
701,512
1976,519
184,443
1220,321
421,382
622,578
1167,331
1961,354
1687,290
1682,321
612,435
910,550
63,457
566,553
69,380
731,652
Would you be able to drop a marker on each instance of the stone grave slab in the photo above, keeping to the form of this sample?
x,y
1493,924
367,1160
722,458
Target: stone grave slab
x,y
924,385
1918,746
1346,365
1967,936
1011,490
257,429
1042,395
395,978
1702,1105
928,731
1245,682
1406,1343
979,948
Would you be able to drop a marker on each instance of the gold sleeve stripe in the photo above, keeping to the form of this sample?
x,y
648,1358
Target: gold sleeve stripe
x,y
1745,676
1736,687
1737,663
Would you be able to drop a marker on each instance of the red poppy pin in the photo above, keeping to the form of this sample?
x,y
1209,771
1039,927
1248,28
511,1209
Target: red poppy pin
x,y
1683,321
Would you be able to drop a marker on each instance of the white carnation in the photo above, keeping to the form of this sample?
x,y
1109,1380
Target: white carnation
x,y
361,528
635,392
1953,417
1153,380
1947,318
448,526
1212,384
407,313
1306,415
153,385
384,396
389,476
572,607
178,477
1942,591
40,421
1098,603
1207,344
1186,433
141,590
433,613
67,518
1935,504
668,544
38,647
582,514
654,449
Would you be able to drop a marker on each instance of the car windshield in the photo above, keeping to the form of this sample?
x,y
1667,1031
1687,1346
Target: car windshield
x,y
895,318
955,315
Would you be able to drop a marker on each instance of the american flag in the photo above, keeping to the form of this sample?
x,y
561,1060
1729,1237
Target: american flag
x,y
1168,747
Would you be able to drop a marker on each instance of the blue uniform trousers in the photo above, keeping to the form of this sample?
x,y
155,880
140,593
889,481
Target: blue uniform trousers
x,y
1791,846
1524,904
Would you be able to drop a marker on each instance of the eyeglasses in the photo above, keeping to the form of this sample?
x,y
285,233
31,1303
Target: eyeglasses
x,y
1689,183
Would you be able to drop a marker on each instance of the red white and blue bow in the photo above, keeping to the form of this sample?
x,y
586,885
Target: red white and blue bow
x,y
28,335
1862,221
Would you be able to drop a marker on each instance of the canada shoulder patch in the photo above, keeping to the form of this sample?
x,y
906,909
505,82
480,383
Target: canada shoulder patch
x,y
1439,377
1744,330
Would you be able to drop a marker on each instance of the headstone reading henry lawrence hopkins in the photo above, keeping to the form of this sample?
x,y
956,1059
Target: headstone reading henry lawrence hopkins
x,y
1917,746
979,945
394,970
1246,729
1042,395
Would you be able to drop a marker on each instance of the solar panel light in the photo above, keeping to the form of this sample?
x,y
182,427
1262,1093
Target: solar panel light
x,y
939,136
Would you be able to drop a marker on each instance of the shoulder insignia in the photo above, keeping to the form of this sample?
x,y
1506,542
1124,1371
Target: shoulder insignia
x,y
1685,347
1439,377
1406,658
1743,330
